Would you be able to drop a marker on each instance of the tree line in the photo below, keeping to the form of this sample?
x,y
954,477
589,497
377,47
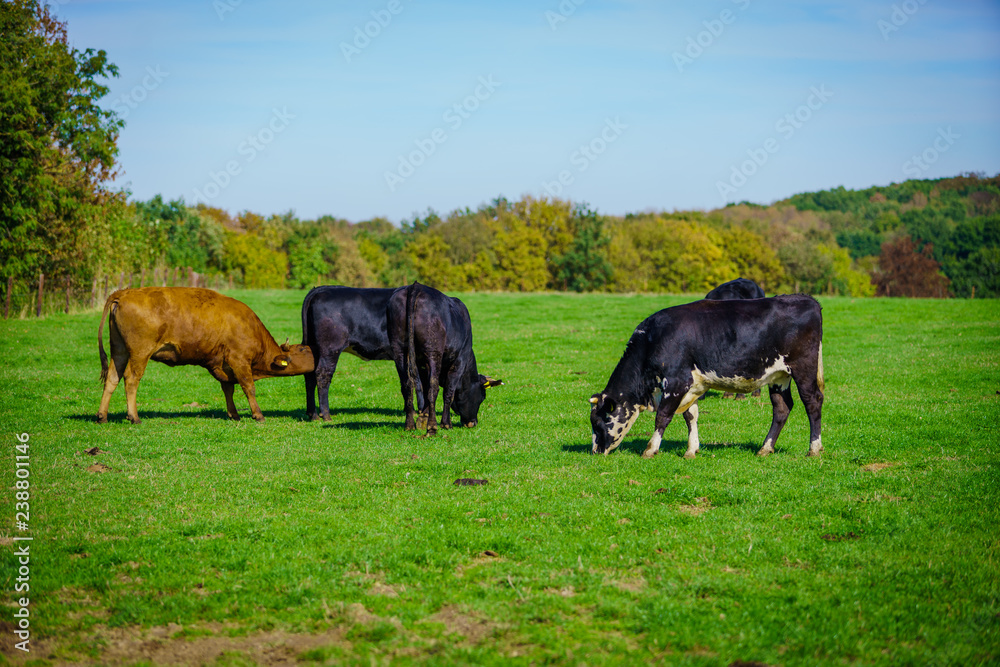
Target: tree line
x,y
59,217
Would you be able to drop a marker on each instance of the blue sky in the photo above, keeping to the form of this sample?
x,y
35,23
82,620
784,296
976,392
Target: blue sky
x,y
388,107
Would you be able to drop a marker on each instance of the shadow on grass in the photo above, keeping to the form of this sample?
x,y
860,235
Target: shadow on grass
x,y
667,447
115,417
220,413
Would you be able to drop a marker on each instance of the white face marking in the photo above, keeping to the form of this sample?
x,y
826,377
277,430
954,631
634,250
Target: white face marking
x,y
618,428
617,423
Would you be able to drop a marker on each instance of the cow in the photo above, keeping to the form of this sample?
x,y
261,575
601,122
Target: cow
x,y
741,288
737,345
431,339
190,326
337,319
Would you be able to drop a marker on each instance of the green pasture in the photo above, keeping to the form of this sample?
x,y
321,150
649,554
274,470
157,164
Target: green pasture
x,y
348,543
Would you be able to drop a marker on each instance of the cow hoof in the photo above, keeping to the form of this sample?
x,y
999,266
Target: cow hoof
x,y
765,452
815,452
102,419
646,454
259,419
727,395
446,426
689,455
134,420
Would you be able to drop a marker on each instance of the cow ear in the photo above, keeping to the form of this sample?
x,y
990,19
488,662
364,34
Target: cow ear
x,y
489,382
281,361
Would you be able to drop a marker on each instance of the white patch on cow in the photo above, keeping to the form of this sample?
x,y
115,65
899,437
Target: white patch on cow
x,y
777,373
618,426
816,446
692,424
654,445
819,370
768,448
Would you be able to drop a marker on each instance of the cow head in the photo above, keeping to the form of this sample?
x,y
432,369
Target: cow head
x,y
610,421
470,395
293,360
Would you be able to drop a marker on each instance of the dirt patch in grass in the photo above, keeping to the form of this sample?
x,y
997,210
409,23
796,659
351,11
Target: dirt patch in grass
x,y
630,585
458,622
701,506
378,588
204,644
566,591
875,467
160,647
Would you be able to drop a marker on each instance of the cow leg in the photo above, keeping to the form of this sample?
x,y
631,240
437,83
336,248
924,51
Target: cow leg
x,y
691,417
244,376
433,385
116,368
781,405
664,413
325,369
311,396
812,399
406,388
451,383
227,390
134,371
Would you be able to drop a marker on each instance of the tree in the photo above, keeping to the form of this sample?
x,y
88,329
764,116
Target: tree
x,y
261,267
520,252
57,147
905,270
585,266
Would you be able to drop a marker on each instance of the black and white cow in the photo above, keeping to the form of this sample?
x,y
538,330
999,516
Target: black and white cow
x,y
338,319
741,288
430,335
737,345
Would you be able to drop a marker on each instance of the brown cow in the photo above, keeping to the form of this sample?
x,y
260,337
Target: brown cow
x,y
191,326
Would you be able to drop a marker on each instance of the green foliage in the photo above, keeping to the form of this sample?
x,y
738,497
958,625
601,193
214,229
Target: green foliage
x,y
584,267
57,147
957,218
520,252
248,255
668,253
179,236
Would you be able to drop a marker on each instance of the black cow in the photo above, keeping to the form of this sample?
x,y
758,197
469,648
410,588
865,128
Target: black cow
x,y
737,345
430,335
741,288
339,319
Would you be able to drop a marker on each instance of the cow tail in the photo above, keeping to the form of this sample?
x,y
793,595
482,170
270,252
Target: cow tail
x,y
819,369
112,301
306,307
410,356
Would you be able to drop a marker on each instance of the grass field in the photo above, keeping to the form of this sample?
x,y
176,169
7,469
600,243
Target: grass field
x,y
347,542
